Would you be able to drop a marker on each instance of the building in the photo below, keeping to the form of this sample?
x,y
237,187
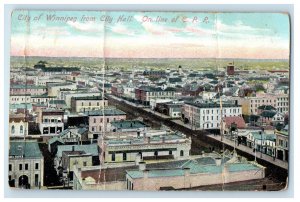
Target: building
x,y
250,105
208,115
90,103
169,145
72,158
27,89
154,73
192,173
262,142
100,120
18,127
144,94
54,88
282,103
19,98
282,144
50,121
69,155
170,109
230,69
69,136
26,165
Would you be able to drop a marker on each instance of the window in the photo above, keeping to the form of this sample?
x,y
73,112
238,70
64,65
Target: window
x,y
20,167
107,120
84,163
36,180
97,103
170,152
94,120
212,118
90,104
124,156
155,153
21,129
181,153
81,103
113,157
12,129
36,166
26,166
9,167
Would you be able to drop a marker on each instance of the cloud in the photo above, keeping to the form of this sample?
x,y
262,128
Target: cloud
x,y
87,27
121,29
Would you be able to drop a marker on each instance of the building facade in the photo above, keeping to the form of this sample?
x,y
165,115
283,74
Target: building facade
x,y
26,165
208,116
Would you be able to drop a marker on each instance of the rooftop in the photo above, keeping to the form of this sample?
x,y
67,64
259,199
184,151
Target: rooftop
x,y
105,112
196,167
211,105
88,98
30,149
89,149
128,124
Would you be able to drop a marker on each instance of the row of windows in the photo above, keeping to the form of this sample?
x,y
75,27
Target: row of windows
x,y
52,120
211,125
160,93
94,128
13,130
28,89
283,104
17,99
258,101
217,111
101,120
113,155
90,104
26,166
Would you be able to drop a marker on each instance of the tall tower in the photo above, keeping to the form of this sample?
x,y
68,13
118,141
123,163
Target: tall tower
x,y
230,69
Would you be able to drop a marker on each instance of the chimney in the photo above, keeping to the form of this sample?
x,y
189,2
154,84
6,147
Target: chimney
x,y
142,166
218,161
186,171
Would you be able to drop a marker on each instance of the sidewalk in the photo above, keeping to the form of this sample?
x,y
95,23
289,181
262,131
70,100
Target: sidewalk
x,y
277,162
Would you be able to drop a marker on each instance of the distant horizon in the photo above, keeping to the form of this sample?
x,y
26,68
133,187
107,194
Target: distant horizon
x,y
287,59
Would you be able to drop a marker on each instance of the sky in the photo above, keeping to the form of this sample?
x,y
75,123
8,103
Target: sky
x,y
150,34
